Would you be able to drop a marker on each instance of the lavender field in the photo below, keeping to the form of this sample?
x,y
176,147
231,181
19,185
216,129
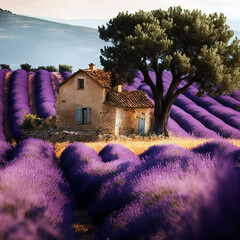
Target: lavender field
x,y
191,116
30,92
166,192
205,116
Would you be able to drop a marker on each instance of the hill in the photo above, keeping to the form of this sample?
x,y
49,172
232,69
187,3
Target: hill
x,y
45,42
40,42
92,23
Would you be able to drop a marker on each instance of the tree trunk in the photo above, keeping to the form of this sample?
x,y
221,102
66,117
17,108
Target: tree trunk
x,y
161,120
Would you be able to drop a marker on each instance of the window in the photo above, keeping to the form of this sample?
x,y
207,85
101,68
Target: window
x,y
80,83
83,115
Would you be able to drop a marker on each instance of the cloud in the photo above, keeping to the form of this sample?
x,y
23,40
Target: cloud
x,y
106,9
2,36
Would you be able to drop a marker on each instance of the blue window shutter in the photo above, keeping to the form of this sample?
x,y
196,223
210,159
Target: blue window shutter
x,y
79,115
87,115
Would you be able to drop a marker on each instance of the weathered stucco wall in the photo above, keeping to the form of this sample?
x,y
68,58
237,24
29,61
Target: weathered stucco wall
x,y
108,116
70,98
127,120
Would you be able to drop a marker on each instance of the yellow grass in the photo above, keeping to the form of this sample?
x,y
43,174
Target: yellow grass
x,y
138,146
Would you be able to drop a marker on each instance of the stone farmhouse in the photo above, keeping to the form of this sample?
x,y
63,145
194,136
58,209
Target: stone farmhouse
x,y
86,101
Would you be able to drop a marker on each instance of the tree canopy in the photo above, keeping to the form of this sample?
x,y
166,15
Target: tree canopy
x,y
194,46
5,66
64,68
27,67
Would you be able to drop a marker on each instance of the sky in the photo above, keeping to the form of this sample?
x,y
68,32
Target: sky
x,y
106,9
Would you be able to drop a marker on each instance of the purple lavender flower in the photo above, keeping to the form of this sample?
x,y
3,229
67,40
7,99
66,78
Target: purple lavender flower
x,y
86,172
66,75
209,120
5,148
174,201
35,202
113,151
45,98
220,147
229,101
176,130
2,76
190,124
236,95
18,101
227,114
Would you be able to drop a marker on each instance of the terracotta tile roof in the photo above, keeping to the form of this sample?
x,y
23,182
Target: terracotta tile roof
x,y
99,76
129,99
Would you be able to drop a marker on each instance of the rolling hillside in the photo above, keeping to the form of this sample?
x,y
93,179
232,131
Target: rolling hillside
x,y
40,43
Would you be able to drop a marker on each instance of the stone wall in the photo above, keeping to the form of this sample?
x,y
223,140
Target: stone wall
x,y
108,117
63,136
127,120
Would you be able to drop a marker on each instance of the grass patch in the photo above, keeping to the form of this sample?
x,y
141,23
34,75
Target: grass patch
x,y
138,146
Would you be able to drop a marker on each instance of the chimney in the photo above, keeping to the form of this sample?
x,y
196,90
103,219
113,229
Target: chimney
x,y
91,66
117,88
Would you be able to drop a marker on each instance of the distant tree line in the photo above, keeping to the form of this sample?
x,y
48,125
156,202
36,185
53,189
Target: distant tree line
x,y
5,10
50,68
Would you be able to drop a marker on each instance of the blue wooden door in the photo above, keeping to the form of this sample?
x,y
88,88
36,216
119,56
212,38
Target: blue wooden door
x,y
141,129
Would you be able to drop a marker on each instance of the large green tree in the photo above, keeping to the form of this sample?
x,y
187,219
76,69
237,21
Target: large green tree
x,y
194,46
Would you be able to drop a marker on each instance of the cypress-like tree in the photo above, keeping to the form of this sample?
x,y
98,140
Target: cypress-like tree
x,y
194,46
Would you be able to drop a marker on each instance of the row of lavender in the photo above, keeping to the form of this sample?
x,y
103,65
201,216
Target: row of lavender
x,y
167,192
198,116
2,76
35,201
45,87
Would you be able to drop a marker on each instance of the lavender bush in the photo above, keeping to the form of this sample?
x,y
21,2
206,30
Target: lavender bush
x,y
77,162
85,170
113,151
236,95
2,76
190,124
5,149
66,75
169,189
228,101
35,202
228,115
207,119
18,101
115,193
220,147
45,99
176,130
178,199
